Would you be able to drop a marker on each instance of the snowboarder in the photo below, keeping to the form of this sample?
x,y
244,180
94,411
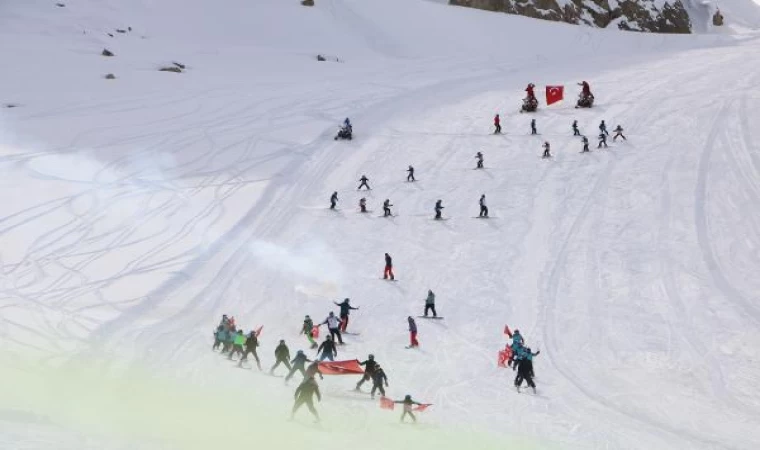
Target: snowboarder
x,y
345,310
282,356
603,128
479,157
308,330
369,368
497,124
388,272
364,181
313,370
408,403
483,207
363,205
412,333
327,350
298,364
333,325
305,393
576,132
238,340
250,347
618,133
525,369
333,200
533,129
547,150
438,210
584,139
378,379
430,303
387,208
602,140
410,177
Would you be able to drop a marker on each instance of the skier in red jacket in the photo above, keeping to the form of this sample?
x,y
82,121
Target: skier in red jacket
x,y
497,124
529,90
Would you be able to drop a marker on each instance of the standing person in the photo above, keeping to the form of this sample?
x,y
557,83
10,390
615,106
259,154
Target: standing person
x,y
369,368
250,347
479,157
308,330
525,369
408,403
363,205
412,333
298,364
497,124
602,140
430,303
438,209
347,124
533,129
333,200
547,150
576,132
483,207
388,272
305,393
313,370
237,344
378,379
327,350
584,139
603,128
218,336
410,177
364,181
618,133
387,208
282,356
333,325
345,310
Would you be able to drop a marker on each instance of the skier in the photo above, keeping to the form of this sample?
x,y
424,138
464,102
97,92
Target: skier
x,y
584,139
497,124
238,341
347,124
250,347
387,208
408,403
218,336
585,90
479,157
410,177
483,207
305,393
369,368
412,333
438,209
327,350
313,370
363,180
308,330
618,133
576,132
282,356
533,129
363,204
345,310
430,303
547,152
602,140
603,128
388,268
333,200
333,325
525,369
531,97
378,379
298,364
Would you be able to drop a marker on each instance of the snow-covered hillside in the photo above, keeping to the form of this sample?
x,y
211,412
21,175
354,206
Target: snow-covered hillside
x,y
136,211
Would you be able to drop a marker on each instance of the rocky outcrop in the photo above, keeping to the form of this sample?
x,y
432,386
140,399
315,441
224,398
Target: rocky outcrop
x,y
660,16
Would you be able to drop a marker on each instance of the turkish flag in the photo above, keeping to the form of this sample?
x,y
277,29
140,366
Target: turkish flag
x,y
423,407
504,356
507,331
315,331
386,403
554,94
341,368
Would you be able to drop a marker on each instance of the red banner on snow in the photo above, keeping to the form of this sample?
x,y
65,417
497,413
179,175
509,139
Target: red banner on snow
x,y
386,403
554,94
341,368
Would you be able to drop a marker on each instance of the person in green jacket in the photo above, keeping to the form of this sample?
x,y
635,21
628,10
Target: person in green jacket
x,y
307,329
304,394
282,355
238,341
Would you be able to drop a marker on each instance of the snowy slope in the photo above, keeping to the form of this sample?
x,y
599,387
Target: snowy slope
x,y
138,210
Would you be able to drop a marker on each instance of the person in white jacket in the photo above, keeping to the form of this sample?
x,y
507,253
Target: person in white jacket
x,y
333,325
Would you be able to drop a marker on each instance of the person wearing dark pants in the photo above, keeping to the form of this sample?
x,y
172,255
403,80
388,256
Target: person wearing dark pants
x,y
497,124
618,133
333,324
483,207
363,204
602,140
438,209
387,208
250,347
304,395
525,369
333,200
388,272
282,356
298,365
584,139
547,150
378,379
576,132
369,368
408,403
412,333
327,350
345,311
364,181
533,129
479,157
410,177
430,303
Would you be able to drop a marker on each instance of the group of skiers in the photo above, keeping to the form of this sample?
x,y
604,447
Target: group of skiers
x,y
521,360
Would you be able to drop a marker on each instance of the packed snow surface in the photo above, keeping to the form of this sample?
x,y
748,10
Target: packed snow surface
x,y
136,211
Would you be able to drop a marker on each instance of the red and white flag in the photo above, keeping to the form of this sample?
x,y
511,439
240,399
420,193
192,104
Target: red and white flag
x,y
554,94
386,403
341,368
258,330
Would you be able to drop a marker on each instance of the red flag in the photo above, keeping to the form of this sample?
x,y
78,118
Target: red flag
x,y
386,403
507,331
258,330
554,94
422,407
341,368
315,331
504,356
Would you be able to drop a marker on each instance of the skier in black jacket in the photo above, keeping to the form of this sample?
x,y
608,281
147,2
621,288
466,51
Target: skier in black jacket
x,y
369,368
438,209
333,200
364,181
410,177
345,310
388,268
282,356
387,208
304,394
483,206
327,350
576,132
378,379
479,157
584,139
299,363
602,140
533,129
250,347
525,368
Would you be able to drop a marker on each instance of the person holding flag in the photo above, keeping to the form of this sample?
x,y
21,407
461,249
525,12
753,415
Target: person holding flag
x,y
345,310
408,404
308,329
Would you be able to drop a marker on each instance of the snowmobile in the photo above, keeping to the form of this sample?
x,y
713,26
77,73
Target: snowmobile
x,y
345,133
585,101
529,105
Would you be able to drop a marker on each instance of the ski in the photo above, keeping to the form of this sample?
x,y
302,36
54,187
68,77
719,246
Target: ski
x,y
431,317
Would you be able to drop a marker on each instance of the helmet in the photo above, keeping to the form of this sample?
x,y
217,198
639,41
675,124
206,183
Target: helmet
x,y
300,352
328,338
307,317
282,341
347,299
371,356
407,397
517,332
531,85
331,314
